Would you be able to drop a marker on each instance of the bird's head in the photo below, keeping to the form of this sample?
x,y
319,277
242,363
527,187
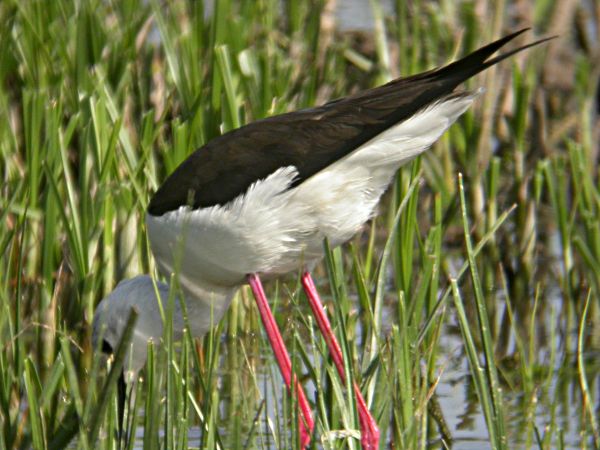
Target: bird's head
x,y
113,311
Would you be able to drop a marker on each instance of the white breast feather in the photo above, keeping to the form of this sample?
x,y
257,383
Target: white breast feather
x,y
224,243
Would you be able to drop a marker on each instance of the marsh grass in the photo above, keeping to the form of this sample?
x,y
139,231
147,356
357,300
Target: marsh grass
x,y
100,100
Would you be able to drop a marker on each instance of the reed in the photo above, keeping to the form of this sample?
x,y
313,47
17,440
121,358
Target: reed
x,y
495,276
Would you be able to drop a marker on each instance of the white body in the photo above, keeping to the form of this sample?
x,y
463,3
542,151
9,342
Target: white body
x,y
272,230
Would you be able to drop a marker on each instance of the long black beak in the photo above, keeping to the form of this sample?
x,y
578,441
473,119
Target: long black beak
x,y
121,396
116,375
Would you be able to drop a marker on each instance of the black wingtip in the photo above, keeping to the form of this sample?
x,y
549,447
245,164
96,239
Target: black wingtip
x,y
499,58
479,60
480,55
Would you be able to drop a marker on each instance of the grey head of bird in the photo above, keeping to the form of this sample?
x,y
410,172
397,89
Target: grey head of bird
x,y
113,311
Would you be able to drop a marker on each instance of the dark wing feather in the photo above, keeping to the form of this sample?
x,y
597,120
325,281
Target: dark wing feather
x,y
310,139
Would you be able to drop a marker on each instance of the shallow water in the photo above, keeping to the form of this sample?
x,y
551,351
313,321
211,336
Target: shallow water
x,y
456,395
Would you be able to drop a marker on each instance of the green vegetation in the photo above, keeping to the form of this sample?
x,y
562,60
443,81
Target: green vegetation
x,y
496,272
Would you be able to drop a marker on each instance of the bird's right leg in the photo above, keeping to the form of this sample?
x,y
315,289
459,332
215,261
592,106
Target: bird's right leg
x,y
282,357
368,427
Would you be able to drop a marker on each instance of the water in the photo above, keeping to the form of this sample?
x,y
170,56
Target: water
x,y
249,382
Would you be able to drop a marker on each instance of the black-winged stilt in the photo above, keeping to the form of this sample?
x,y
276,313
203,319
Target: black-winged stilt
x,y
258,202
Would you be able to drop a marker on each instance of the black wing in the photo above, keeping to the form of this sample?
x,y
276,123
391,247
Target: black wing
x,y
311,139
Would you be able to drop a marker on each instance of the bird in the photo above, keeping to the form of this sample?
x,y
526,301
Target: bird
x,y
257,203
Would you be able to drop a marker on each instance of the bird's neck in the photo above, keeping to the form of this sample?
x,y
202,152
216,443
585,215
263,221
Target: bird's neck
x,y
205,303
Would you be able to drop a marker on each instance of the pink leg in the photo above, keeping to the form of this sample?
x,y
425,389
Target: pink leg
x,y
368,426
283,359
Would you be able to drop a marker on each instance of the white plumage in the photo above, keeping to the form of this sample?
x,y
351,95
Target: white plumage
x,y
272,229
